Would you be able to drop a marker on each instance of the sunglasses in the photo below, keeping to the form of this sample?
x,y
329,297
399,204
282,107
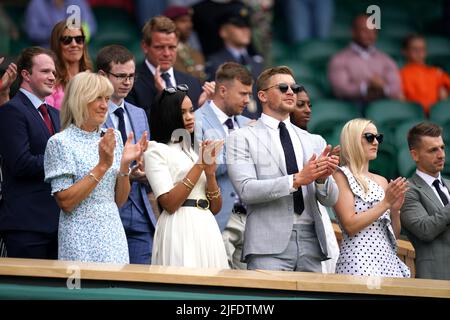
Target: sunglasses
x,y
66,40
283,87
180,87
370,137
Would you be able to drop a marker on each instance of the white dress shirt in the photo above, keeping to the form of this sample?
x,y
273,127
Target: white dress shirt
x,y
152,69
272,124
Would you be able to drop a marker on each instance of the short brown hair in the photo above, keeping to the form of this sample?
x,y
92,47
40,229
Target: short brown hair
x,y
158,24
229,71
25,60
413,36
264,77
423,129
112,54
62,74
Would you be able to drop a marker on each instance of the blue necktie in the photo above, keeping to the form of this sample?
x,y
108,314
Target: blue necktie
x,y
166,78
119,113
229,124
291,165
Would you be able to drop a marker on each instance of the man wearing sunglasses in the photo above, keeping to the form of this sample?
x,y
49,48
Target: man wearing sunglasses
x,y
159,44
425,214
279,175
117,64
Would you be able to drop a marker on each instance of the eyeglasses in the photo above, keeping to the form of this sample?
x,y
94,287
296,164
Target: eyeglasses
x,y
180,87
123,76
370,137
283,87
302,103
66,40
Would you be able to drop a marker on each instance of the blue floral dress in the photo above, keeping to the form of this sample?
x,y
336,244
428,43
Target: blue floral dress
x,y
93,231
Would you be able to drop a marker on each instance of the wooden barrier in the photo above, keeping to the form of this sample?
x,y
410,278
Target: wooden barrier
x,y
299,283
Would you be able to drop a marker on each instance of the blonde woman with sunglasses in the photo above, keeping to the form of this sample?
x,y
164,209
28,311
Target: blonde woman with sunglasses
x,y
368,207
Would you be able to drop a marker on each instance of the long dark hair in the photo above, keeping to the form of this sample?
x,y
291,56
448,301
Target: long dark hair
x,y
166,116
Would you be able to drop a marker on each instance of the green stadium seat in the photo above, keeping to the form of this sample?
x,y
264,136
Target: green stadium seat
x,y
385,164
401,133
328,114
440,113
438,46
317,53
389,114
406,165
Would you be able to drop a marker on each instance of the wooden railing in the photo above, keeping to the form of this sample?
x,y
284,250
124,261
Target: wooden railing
x,y
254,279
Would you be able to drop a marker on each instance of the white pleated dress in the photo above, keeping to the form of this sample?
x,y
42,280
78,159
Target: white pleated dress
x,y
190,237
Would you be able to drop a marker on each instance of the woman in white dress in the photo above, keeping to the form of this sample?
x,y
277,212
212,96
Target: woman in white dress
x,y
186,188
368,207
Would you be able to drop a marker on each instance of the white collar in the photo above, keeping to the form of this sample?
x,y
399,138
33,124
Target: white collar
x,y
113,107
33,98
222,116
429,179
152,69
273,123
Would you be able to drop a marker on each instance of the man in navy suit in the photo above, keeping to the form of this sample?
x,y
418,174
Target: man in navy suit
x,y
159,45
117,64
28,213
236,35
215,120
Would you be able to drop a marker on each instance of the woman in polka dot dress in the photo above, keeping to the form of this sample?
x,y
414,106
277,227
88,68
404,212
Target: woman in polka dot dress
x,y
368,207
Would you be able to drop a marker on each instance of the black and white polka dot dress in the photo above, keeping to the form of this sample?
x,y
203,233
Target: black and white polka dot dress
x,y
372,251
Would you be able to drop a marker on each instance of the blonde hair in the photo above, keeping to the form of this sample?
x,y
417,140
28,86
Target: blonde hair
x,y
352,152
81,90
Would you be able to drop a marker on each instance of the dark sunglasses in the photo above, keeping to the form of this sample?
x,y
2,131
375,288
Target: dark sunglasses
x,y
283,87
66,40
180,87
370,137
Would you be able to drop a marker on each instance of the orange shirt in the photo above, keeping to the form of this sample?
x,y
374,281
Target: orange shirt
x,y
421,83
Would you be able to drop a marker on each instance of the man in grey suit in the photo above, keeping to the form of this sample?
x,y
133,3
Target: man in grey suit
x,y
279,174
216,120
425,215
117,64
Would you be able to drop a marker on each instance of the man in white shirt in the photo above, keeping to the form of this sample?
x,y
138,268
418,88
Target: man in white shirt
x,y
425,214
280,174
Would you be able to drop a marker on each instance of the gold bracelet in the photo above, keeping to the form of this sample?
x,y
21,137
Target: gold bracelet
x,y
94,177
189,182
213,194
186,185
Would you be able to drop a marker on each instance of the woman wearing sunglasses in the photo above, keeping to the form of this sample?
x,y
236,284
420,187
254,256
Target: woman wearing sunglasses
x,y
72,58
368,207
185,185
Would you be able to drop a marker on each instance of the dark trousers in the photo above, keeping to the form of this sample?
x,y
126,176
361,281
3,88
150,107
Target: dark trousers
x,y
140,246
29,244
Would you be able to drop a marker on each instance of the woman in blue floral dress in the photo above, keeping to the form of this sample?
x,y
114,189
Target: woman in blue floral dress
x,y
88,170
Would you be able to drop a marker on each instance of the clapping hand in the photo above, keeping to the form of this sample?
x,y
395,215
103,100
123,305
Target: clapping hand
x,y
395,193
106,148
209,150
133,152
329,159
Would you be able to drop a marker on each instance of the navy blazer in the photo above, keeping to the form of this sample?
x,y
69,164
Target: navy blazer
x,y
138,193
144,90
27,202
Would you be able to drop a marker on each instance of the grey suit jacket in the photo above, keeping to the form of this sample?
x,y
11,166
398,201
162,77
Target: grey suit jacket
x,y
426,223
258,173
208,126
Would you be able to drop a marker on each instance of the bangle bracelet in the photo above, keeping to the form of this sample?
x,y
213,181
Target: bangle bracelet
x,y
186,185
94,177
189,181
124,174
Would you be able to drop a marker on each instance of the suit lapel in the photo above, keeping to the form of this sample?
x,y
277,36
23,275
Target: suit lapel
x,y
242,121
262,134
426,189
214,123
35,113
